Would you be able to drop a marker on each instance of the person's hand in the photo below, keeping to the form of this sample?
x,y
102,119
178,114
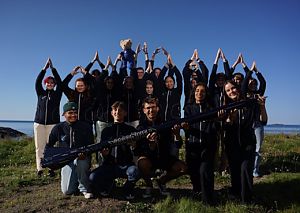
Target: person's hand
x,y
108,63
82,70
50,63
261,99
170,61
222,55
96,57
152,137
157,50
221,113
237,61
145,48
218,56
105,152
185,125
81,156
47,64
165,51
253,67
176,129
138,49
194,55
75,70
242,60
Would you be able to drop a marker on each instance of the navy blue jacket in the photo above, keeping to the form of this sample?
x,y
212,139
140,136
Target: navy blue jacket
x,y
71,135
47,111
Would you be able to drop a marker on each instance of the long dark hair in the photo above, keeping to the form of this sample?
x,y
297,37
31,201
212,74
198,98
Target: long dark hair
x,y
192,95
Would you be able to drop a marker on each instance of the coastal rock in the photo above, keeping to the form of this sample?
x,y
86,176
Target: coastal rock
x,y
6,132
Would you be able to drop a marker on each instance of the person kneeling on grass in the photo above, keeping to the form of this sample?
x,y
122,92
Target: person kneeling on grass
x,y
74,134
155,151
118,161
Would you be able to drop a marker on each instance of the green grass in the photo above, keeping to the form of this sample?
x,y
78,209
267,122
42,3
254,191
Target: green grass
x,y
277,191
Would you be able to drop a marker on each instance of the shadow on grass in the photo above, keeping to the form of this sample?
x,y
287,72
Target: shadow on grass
x,y
278,195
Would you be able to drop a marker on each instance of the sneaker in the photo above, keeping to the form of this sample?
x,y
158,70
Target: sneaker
x,y
148,192
162,188
87,195
129,197
51,173
39,173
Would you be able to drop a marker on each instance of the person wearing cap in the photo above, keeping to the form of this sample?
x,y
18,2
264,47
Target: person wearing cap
x,y
73,133
47,110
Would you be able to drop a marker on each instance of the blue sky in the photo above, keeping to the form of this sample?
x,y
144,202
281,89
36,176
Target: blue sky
x,y
70,31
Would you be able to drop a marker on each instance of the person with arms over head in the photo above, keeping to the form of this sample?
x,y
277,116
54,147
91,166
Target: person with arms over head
x,y
118,161
254,92
73,133
81,95
154,152
47,111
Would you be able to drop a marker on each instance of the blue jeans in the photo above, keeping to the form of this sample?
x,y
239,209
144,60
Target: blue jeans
x,y
102,178
75,176
259,134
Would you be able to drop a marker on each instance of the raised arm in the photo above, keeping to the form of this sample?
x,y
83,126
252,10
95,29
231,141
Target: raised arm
x,y
56,76
261,79
39,80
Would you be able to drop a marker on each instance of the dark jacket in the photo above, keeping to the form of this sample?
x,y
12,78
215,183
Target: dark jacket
x,y
162,150
202,132
72,135
121,155
84,100
187,74
47,111
170,99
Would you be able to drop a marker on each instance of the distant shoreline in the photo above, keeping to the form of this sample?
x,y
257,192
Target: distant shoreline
x,y
269,125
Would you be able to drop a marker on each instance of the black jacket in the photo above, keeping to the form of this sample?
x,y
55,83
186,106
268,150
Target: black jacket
x,y
47,111
121,155
170,99
84,100
72,135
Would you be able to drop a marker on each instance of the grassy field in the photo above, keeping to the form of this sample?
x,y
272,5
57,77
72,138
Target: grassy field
x,y
277,191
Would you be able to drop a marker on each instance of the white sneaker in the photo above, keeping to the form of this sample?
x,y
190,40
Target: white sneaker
x,y
148,192
87,195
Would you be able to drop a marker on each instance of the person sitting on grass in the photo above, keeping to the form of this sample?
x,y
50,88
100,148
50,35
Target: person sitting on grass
x,y
73,133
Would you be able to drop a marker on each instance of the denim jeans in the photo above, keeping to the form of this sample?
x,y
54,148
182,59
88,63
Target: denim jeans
x,y
102,178
259,134
75,176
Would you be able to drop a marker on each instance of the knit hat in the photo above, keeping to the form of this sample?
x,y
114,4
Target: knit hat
x,y
70,106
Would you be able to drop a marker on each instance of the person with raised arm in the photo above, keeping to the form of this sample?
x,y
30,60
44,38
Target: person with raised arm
x,y
81,95
47,110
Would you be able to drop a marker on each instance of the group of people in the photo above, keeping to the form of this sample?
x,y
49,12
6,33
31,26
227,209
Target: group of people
x,y
116,104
